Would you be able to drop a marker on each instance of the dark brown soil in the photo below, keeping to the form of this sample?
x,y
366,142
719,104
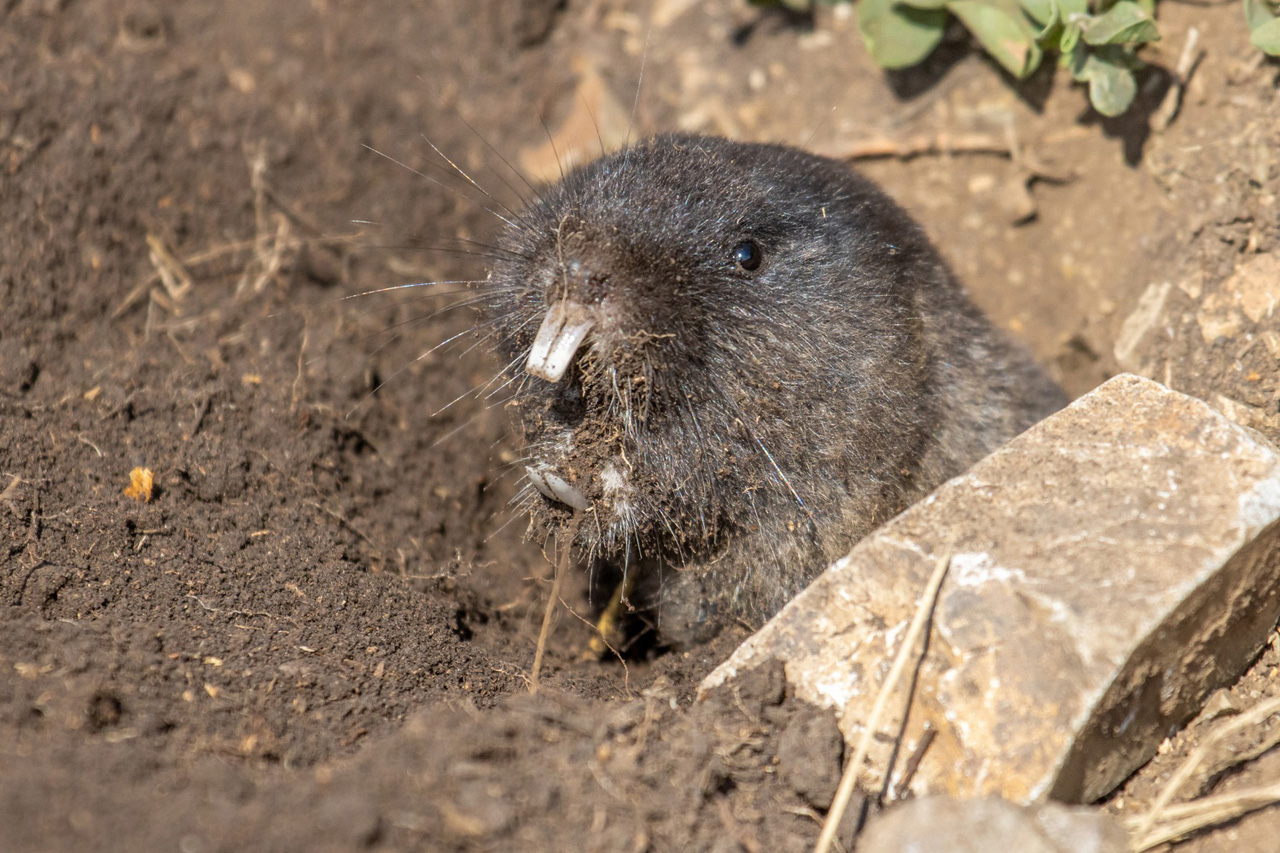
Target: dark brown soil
x,y
317,634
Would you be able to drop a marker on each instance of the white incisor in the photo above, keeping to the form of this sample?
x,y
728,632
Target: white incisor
x,y
562,331
555,488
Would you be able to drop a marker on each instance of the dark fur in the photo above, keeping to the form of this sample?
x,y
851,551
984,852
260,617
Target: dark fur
x,y
762,421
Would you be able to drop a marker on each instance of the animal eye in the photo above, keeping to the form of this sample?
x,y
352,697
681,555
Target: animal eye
x,y
748,255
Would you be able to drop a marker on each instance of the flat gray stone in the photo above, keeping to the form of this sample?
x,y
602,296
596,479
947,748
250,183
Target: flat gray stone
x,y
1110,568
946,825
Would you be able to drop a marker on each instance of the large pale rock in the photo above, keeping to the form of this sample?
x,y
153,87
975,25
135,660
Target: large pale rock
x,y
1109,569
945,825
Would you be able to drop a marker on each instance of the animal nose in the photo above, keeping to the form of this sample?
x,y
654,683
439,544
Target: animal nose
x,y
559,338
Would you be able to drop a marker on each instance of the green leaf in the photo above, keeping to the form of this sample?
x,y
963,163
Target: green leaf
x,y
924,4
1113,92
1266,38
1123,23
1043,12
1053,29
1069,8
793,5
1264,26
1049,37
1257,13
1074,59
1070,37
1112,87
1003,31
899,36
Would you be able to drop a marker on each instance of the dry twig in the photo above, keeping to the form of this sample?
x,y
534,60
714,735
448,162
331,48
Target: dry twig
x,y
849,779
1186,818
1142,827
1187,62
171,272
944,144
561,569
10,492
919,146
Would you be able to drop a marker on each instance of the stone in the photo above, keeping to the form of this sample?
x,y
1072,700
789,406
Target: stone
x,y
1109,569
1219,316
946,825
1256,286
1147,320
1214,337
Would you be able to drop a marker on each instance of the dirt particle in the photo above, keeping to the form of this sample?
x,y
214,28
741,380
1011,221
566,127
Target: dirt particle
x,y
811,755
105,710
141,485
478,811
762,687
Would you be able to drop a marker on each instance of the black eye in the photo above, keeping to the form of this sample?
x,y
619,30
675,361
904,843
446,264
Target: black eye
x,y
748,255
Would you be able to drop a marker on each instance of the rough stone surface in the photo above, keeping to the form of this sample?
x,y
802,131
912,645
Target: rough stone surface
x,y
946,825
1109,569
1214,338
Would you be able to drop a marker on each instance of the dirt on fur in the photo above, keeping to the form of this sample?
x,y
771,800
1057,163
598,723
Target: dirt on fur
x,y
317,632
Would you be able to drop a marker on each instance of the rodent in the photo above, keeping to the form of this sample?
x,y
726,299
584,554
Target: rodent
x,y
737,359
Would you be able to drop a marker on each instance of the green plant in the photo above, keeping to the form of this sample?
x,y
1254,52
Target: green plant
x,y
1095,42
1264,26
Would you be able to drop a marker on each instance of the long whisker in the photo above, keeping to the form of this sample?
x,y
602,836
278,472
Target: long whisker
x,y
465,240
595,124
551,139
497,253
422,318
635,105
505,370
471,391
419,318
403,368
509,252
515,467
506,163
492,251
471,181
459,428
442,185
424,297
478,342
417,284
514,516
499,389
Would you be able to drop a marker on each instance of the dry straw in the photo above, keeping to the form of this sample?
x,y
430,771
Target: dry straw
x,y
1184,818
852,770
